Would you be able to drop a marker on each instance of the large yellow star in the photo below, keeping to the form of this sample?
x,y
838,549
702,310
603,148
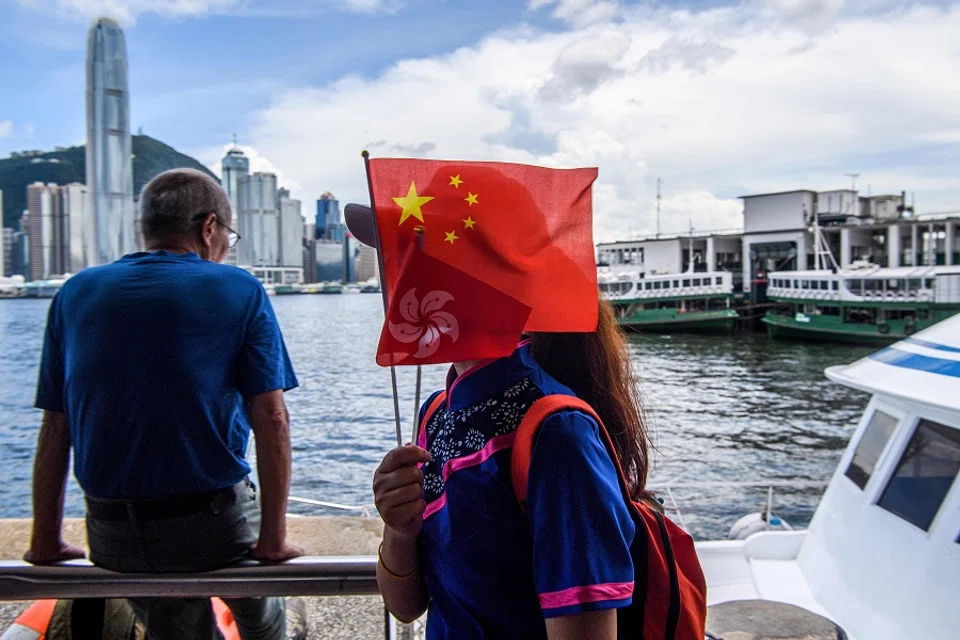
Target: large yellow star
x,y
455,181
471,198
451,237
411,204
469,222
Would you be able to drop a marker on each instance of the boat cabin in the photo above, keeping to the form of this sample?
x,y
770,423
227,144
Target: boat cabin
x,y
881,556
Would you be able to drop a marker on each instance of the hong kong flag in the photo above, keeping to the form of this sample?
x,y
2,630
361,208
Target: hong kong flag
x,y
526,231
440,314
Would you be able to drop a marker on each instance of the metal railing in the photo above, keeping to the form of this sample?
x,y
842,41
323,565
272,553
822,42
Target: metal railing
x,y
304,576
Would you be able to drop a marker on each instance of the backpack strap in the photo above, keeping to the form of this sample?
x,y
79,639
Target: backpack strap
x,y
437,400
526,436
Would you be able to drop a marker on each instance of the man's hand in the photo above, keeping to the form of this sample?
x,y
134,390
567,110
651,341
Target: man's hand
x,y
39,553
273,553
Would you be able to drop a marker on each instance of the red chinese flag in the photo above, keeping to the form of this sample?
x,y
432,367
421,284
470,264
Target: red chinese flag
x,y
441,314
525,230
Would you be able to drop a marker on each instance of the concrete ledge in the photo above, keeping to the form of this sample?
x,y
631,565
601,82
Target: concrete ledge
x,y
318,536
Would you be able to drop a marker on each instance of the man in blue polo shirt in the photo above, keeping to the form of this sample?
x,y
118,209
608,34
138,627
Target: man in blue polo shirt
x,y
155,369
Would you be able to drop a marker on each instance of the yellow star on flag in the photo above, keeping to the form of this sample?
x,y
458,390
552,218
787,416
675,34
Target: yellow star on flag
x,y
411,204
455,181
471,198
451,237
469,222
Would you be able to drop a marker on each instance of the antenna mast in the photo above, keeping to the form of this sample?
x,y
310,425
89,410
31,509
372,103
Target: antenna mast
x,y
853,179
659,198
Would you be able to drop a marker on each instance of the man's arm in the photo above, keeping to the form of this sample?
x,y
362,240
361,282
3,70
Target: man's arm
x,y
50,469
271,428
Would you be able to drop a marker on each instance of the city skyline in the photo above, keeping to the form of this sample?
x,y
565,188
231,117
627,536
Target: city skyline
x,y
716,98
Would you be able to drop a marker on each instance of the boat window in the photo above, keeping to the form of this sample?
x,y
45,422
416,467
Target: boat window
x,y
648,285
696,282
836,285
795,285
928,283
686,283
875,437
823,285
604,287
718,280
676,284
805,284
924,474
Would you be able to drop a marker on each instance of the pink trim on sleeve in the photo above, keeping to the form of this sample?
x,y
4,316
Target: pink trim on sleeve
x,y
583,595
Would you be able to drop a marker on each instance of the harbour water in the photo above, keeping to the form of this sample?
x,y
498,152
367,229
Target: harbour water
x,y
720,410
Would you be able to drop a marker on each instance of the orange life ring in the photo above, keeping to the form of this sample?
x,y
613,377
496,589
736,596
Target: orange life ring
x,y
33,623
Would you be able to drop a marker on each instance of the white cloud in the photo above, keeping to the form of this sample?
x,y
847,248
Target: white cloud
x,y
718,103
6,128
127,11
372,6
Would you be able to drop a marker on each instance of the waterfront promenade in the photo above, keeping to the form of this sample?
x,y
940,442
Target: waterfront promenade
x,y
348,617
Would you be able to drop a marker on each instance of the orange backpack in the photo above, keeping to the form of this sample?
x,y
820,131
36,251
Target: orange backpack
x,y
670,592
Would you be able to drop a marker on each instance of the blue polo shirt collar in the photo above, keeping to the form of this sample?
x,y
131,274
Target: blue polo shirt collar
x,y
489,377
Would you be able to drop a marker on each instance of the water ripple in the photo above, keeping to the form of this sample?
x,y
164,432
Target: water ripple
x,y
719,408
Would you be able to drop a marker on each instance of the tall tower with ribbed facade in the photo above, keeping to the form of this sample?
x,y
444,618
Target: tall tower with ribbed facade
x,y
110,231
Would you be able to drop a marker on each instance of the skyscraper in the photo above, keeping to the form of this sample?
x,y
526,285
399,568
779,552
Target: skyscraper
x,y
74,209
46,229
259,221
291,233
329,223
236,168
110,229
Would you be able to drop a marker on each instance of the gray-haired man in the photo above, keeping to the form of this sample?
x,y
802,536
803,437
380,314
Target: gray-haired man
x,y
155,368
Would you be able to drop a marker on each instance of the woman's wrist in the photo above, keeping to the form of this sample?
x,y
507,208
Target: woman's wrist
x,y
398,555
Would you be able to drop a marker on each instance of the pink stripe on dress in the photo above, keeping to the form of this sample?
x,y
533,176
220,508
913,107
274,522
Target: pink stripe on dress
x,y
496,444
583,595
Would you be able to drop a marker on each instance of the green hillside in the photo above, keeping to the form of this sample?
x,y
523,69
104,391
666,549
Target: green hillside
x,y
150,157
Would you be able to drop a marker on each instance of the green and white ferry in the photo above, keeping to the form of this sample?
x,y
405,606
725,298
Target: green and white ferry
x,y
690,301
864,303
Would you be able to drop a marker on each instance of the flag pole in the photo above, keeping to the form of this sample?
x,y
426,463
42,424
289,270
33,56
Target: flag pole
x,y
416,399
383,294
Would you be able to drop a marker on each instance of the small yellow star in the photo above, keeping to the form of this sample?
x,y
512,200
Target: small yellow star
x,y
451,237
471,198
455,181
469,222
411,204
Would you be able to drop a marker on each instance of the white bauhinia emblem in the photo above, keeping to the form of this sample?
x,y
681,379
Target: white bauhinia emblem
x,y
425,322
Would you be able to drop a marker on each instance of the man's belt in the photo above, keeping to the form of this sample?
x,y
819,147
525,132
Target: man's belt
x,y
175,507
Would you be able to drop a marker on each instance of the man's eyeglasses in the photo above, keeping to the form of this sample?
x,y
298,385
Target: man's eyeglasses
x,y
232,236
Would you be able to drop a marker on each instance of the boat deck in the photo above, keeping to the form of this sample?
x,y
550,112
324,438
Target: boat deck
x,y
762,567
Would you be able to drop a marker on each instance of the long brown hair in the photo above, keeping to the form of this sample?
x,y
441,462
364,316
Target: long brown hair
x,y
596,367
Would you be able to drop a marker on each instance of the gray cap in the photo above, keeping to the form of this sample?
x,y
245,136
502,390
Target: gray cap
x,y
362,223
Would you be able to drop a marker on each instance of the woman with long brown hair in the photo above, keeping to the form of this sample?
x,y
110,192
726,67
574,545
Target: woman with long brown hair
x,y
456,539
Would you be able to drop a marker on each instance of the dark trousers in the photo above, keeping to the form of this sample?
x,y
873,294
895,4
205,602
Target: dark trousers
x,y
213,536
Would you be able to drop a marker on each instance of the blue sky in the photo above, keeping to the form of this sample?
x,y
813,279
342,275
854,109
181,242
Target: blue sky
x,y
717,98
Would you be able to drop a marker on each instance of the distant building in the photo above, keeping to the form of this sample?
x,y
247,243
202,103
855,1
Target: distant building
x,y
20,249
282,194
235,168
290,233
329,223
6,246
368,267
110,232
310,258
329,261
6,252
351,248
47,230
74,210
258,221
